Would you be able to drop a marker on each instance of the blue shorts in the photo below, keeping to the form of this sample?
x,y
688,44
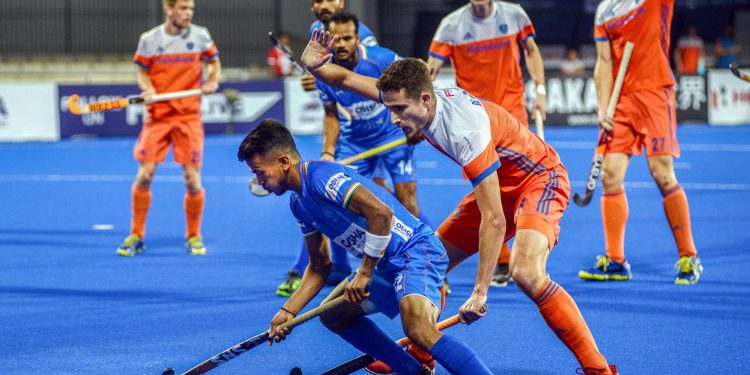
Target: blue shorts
x,y
419,270
398,162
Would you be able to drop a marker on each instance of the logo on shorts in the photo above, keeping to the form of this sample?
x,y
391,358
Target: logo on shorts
x,y
334,184
398,283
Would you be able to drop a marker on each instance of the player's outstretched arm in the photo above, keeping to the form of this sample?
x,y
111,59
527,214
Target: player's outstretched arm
x,y
313,280
316,59
491,235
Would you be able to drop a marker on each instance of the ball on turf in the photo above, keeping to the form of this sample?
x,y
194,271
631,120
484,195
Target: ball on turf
x,y
168,371
296,371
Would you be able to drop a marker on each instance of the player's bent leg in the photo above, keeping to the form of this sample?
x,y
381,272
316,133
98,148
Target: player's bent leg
x,y
349,321
456,255
418,317
528,267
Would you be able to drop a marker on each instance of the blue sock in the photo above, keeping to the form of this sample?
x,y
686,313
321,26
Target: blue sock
x,y
340,258
424,219
302,259
366,336
457,358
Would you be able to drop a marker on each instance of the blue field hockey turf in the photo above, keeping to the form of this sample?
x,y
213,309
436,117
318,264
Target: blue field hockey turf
x,y
70,305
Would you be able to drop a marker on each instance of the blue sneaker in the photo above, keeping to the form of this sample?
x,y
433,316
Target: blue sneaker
x,y
133,244
607,269
689,270
338,274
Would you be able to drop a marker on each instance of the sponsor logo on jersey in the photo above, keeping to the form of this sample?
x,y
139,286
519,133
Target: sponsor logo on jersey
x,y
365,110
352,239
468,36
334,184
500,44
401,229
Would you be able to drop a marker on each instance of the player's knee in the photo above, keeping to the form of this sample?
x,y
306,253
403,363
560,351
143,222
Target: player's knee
x,y
144,178
527,276
664,178
612,177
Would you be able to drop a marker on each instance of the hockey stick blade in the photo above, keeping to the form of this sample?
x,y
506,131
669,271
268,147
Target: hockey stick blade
x,y
737,72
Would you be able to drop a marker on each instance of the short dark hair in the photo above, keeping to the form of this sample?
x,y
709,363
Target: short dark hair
x,y
410,74
269,135
344,17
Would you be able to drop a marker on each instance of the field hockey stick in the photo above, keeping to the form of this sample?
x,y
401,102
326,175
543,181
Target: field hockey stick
x,y
737,72
286,52
258,190
234,351
539,124
75,108
355,364
596,164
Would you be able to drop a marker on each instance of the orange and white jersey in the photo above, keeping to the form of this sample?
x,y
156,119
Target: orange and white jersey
x,y
484,139
486,53
646,23
174,63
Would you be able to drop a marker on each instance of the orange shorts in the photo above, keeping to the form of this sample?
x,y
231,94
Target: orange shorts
x,y
646,119
539,206
186,137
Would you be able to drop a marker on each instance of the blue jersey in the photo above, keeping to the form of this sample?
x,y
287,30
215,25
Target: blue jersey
x,y
327,188
363,122
366,36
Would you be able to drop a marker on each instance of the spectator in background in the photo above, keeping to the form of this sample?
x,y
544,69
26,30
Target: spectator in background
x,y
726,48
279,63
688,55
572,64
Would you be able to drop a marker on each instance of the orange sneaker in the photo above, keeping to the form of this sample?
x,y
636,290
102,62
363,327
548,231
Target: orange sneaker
x,y
593,371
427,361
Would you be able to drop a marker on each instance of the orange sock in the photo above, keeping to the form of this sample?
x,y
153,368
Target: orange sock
x,y
563,317
194,213
504,257
140,200
614,218
678,215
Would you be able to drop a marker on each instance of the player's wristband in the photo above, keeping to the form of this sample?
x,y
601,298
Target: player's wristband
x,y
293,314
541,90
375,245
326,153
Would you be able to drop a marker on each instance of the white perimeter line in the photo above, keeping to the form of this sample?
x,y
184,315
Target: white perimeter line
x,y
246,179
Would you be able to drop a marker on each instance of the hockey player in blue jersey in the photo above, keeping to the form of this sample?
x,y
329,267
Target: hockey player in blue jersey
x,y
403,263
355,124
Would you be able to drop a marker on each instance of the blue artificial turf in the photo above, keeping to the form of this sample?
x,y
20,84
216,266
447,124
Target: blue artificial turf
x,y
70,305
